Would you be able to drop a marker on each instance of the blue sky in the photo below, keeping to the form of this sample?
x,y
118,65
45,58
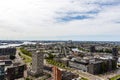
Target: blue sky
x,y
60,20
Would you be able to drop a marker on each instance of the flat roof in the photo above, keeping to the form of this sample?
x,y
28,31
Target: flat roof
x,y
2,63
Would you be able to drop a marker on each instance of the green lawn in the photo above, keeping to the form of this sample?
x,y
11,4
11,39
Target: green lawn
x,y
115,78
24,51
26,55
83,79
26,58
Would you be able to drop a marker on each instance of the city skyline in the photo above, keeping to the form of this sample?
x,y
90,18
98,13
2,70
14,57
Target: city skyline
x,y
89,20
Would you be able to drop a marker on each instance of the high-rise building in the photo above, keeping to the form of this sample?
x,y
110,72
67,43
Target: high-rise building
x,y
37,63
57,74
92,49
2,71
115,52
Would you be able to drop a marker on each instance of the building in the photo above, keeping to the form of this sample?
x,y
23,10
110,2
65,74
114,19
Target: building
x,y
7,51
82,65
7,62
57,74
37,64
115,52
95,65
92,49
15,72
4,57
102,65
2,71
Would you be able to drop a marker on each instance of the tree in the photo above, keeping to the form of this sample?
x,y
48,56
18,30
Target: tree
x,y
12,57
28,78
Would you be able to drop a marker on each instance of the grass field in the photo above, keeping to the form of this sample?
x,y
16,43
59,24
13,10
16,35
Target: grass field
x,y
115,78
26,58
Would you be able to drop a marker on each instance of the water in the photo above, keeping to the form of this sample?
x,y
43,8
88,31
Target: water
x,y
5,45
9,45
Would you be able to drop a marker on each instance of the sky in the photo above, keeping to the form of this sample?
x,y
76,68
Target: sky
x,y
83,20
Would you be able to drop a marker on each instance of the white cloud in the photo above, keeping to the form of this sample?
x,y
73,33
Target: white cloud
x,y
37,19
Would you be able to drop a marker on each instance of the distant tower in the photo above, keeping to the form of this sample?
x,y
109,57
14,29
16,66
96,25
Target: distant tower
x,y
37,63
115,53
57,74
92,49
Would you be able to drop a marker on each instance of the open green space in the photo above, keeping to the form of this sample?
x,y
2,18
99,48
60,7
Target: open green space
x,y
115,78
24,51
83,79
50,61
25,58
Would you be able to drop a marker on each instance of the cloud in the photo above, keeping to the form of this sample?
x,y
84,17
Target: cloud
x,y
59,19
70,18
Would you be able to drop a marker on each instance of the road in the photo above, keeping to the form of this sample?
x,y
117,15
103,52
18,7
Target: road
x,y
111,74
18,58
85,74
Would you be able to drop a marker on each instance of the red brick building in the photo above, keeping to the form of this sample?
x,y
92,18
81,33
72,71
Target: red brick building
x,y
57,74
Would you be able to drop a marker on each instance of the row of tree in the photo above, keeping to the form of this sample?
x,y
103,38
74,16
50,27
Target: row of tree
x,y
24,51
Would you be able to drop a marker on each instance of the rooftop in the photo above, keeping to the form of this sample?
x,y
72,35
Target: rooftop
x,y
2,63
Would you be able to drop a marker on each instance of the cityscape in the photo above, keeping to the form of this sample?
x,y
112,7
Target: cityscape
x,y
59,60
59,39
